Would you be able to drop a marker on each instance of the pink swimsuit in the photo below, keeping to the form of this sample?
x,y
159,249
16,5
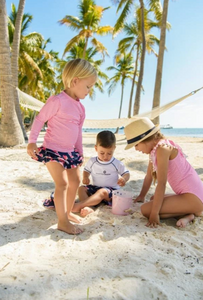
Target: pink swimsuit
x,y
181,175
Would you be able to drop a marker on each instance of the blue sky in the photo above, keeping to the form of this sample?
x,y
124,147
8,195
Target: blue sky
x,y
183,60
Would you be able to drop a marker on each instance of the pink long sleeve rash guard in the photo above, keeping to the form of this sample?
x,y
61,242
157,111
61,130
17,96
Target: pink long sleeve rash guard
x,y
65,118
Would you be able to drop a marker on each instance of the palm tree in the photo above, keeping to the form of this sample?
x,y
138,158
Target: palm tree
x,y
87,25
35,69
155,7
133,43
124,70
127,5
77,52
35,72
14,62
10,133
141,73
157,88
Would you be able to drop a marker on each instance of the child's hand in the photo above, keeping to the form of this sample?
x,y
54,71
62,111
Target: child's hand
x,y
32,150
139,199
86,180
154,221
121,181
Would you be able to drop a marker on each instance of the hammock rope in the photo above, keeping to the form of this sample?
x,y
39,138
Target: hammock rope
x,y
34,104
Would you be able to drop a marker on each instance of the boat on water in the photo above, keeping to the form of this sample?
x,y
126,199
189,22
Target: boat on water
x,y
167,126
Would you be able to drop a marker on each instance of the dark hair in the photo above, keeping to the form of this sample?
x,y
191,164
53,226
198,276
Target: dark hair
x,y
106,139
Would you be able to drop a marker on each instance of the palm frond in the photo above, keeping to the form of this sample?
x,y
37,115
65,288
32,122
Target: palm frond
x,y
71,43
72,22
104,30
122,18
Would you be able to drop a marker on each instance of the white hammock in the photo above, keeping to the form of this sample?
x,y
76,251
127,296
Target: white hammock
x,y
34,104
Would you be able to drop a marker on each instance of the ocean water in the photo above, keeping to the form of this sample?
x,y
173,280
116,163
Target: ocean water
x,y
187,132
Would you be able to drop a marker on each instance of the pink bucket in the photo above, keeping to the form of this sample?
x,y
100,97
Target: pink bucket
x,y
121,201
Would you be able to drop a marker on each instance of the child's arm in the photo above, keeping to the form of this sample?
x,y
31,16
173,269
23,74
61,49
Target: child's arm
x,y
47,111
146,185
163,155
85,179
123,179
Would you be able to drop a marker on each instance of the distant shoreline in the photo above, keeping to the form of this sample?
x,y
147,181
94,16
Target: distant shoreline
x,y
175,132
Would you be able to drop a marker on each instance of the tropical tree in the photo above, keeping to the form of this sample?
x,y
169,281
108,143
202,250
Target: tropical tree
x,y
14,62
133,43
141,73
124,70
155,7
87,25
157,88
10,133
35,73
77,52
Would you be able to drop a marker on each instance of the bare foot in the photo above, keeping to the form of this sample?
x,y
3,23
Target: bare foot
x,y
74,218
69,228
185,220
86,211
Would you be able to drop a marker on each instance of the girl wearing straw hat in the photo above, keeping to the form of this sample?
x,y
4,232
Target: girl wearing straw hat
x,y
167,162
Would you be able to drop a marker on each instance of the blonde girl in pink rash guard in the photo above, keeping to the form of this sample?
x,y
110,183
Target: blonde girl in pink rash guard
x,y
167,162
62,150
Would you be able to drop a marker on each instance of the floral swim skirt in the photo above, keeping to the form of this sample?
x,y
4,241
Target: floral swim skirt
x,y
67,160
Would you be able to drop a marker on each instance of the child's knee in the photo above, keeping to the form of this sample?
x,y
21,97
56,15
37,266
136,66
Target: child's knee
x,y
62,185
103,194
82,189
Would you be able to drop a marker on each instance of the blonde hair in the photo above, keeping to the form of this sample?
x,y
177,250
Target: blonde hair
x,y
157,136
79,68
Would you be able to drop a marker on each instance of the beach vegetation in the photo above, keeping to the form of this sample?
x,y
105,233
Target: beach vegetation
x,y
36,72
123,70
11,133
145,40
132,43
157,87
88,25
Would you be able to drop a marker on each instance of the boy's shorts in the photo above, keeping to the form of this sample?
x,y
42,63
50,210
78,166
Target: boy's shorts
x,y
92,189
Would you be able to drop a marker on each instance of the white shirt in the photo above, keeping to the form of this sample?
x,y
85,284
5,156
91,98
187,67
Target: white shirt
x,y
105,174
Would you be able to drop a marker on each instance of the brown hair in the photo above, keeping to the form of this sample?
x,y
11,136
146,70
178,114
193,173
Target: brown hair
x,y
106,139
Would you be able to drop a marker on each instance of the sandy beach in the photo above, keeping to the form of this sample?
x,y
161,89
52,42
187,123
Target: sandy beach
x,y
116,257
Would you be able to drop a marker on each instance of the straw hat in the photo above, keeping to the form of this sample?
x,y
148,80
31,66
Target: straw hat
x,y
139,130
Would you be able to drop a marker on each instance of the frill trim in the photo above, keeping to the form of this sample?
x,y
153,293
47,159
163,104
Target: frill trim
x,y
168,143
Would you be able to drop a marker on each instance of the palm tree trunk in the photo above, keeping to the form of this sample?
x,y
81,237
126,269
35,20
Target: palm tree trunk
x,y
14,62
157,88
141,73
10,133
121,104
133,84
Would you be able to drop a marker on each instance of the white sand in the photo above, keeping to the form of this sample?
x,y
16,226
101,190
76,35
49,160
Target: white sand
x,y
117,257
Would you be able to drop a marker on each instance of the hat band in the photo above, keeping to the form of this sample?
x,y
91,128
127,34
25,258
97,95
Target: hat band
x,y
141,136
